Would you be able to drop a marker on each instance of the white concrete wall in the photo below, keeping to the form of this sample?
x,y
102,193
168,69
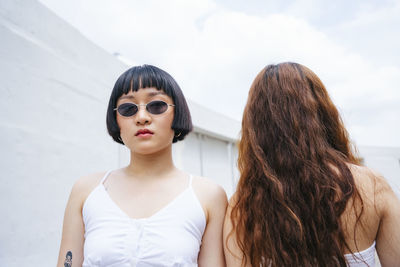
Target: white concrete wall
x,y
54,87
54,90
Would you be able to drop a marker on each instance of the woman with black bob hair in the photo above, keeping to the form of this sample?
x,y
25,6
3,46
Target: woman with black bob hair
x,y
148,76
148,213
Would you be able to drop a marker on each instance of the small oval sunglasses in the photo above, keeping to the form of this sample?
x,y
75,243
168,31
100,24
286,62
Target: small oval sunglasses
x,y
155,107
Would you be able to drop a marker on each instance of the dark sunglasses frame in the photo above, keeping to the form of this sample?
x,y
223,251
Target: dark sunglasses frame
x,y
148,107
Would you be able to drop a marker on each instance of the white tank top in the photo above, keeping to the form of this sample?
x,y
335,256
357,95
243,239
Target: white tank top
x,y
170,237
363,258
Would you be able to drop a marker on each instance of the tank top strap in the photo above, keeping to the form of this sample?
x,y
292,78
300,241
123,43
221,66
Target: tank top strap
x,y
105,176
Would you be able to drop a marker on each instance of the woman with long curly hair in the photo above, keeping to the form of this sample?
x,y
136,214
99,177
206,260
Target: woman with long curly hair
x,y
303,199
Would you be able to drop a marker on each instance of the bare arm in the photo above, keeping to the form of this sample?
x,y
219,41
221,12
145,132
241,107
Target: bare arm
x,y
71,249
233,254
211,251
388,237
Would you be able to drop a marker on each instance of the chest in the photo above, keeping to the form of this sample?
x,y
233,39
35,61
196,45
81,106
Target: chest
x,y
143,201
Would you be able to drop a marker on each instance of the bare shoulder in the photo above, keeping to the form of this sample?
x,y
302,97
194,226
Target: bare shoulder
x,y
372,185
361,172
211,195
369,179
85,184
88,181
208,188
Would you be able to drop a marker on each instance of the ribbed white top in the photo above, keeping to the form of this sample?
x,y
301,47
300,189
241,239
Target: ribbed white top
x,y
363,258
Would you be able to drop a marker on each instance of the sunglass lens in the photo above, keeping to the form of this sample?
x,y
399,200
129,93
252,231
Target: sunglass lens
x,y
127,109
157,107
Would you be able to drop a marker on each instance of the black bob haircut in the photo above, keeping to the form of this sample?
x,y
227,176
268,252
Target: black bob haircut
x,y
146,76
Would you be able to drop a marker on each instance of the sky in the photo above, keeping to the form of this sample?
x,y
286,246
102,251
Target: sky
x,y
215,48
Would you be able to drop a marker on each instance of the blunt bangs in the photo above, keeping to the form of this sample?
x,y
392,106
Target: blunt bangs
x,y
147,76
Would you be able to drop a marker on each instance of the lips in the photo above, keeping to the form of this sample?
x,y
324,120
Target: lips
x,y
144,132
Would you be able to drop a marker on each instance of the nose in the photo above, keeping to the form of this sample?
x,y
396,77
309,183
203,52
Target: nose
x,y
142,116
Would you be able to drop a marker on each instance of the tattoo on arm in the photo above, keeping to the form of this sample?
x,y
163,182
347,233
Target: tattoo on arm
x,y
68,259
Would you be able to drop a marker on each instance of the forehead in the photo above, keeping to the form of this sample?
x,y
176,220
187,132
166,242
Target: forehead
x,y
144,93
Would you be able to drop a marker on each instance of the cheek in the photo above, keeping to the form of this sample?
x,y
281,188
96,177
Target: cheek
x,y
169,123
166,125
119,123
123,124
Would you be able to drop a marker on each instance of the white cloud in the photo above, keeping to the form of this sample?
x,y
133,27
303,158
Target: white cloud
x,y
372,32
215,53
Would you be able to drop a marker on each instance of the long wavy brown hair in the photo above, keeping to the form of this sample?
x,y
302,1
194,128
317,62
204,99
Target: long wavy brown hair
x,y
294,179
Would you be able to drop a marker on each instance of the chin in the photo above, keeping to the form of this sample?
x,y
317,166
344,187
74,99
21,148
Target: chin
x,y
145,151
148,149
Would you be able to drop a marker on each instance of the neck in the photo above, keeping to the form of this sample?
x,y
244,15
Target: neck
x,y
151,165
